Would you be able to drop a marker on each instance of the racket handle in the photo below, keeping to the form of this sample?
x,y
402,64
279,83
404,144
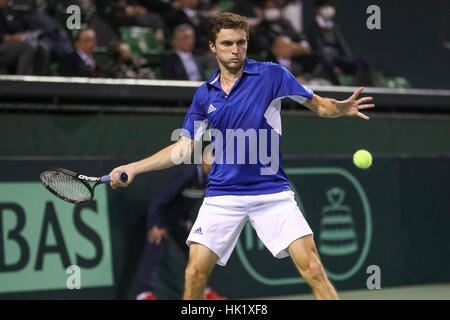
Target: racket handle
x,y
123,177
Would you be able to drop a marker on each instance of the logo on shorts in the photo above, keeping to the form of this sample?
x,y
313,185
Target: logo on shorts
x,y
199,231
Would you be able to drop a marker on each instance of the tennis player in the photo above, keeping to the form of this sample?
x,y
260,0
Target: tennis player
x,y
242,102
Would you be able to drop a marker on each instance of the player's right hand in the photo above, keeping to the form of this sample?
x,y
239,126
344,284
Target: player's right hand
x,y
114,176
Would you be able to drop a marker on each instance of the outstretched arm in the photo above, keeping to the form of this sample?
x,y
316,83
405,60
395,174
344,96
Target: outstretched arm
x,y
166,158
331,108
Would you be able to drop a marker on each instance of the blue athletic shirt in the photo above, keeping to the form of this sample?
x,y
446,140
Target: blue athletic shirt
x,y
252,107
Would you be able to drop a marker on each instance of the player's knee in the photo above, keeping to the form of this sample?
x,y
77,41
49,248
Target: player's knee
x,y
315,272
194,274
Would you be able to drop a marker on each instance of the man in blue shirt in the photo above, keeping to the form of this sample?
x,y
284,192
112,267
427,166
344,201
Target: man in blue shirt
x,y
241,106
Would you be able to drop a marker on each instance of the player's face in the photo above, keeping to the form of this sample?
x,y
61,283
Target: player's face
x,y
230,48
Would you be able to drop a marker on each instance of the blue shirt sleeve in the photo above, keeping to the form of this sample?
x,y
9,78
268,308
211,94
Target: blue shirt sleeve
x,y
195,122
288,85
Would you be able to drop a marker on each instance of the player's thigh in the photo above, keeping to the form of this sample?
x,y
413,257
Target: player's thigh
x,y
278,221
201,258
303,252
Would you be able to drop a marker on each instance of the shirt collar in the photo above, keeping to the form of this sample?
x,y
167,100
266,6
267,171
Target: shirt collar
x,y
89,60
183,55
189,12
250,67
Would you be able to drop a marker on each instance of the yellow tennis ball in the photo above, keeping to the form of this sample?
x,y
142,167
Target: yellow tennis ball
x,y
362,159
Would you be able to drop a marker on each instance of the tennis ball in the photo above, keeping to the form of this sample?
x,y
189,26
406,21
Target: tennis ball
x,y
362,159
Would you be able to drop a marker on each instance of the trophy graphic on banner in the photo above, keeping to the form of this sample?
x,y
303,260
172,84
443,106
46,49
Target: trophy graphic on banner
x,y
337,235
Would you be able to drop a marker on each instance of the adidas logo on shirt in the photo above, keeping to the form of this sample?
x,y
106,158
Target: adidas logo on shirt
x,y
199,230
211,108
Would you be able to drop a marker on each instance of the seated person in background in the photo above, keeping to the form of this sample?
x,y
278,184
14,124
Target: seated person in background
x,y
131,13
126,64
283,52
274,25
81,62
275,30
90,16
182,64
249,9
188,14
21,51
16,55
328,41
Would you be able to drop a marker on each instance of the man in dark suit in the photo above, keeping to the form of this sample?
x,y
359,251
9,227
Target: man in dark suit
x,y
328,41
21,49
81,62
182,64
283,53
187,13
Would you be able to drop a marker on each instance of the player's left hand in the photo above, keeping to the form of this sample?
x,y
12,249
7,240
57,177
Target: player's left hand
x,y
351,106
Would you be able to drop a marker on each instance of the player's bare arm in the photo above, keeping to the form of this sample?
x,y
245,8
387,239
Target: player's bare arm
x,y
331,108
165,158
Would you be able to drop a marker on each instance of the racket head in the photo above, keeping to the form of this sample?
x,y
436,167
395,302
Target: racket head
x,y
65,185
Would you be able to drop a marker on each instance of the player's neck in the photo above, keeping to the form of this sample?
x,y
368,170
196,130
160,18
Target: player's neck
x,y
228,77
228,74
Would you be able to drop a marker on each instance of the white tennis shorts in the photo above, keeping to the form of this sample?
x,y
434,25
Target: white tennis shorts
x,y
275,217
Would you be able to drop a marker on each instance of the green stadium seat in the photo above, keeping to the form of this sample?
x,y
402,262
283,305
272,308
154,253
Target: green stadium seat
x,y
54,69
209,72
142,40
103,58
345,80
226,5
395,82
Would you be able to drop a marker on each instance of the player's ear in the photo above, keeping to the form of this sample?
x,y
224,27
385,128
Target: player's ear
x,y
212,47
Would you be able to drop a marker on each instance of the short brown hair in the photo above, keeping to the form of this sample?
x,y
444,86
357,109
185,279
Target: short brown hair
x,y
226,20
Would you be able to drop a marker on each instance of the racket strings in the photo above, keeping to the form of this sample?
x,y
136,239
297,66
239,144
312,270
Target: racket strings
x,y
66,186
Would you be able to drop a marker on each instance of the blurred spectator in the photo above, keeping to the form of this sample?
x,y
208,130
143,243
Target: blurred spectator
x,y
283,53
21,49
293,11
89,16
187,13
128,65
274,25
164,8
277,38
327,39
81,63
131,13
182,64
249,9
211,8
50,33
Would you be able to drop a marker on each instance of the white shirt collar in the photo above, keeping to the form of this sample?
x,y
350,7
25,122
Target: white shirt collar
x,y
89,60
189,12
183,55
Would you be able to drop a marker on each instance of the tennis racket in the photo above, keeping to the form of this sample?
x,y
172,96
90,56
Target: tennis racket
x,y
71,186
